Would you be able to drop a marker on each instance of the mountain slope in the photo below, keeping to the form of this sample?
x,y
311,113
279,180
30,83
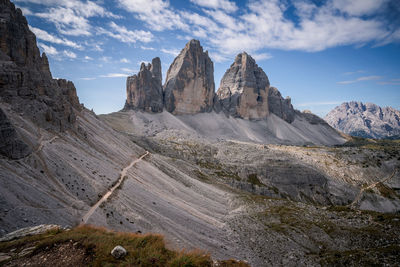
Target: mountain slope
x,y
365,120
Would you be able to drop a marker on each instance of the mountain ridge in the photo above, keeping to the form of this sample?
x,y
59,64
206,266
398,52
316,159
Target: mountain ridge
x,y
366,120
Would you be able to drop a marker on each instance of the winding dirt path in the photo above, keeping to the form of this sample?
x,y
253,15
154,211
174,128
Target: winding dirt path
x,y
355,201
44,142
86,217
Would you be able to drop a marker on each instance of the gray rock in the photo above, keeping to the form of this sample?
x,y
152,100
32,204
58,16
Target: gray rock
x,y
243,91
25,78
11,145
118,252
144,90
189,87
365,120
279,106
28,231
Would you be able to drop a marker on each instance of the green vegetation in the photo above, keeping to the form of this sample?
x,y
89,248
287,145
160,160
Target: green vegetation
x,y
253,179
143,250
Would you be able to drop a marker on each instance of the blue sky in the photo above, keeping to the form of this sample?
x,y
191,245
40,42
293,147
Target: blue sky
x,y
320,53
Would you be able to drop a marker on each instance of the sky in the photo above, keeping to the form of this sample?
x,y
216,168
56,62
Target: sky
x,y
319,52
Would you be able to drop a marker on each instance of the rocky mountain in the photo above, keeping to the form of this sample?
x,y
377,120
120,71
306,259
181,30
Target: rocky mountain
x,y
144,91
243,91
189,87
25,78
365,120
225,185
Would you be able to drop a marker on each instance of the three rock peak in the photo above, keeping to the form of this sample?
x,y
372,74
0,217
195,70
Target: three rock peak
x,y
189,88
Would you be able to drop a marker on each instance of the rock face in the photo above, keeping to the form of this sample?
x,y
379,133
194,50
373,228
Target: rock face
x,y
25,79
243,91
189,87
11,145
281,107
365,120
144,91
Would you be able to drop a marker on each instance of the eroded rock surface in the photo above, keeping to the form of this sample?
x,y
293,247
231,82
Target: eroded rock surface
x,y
144,90
243,91
189,86
25,78
11,144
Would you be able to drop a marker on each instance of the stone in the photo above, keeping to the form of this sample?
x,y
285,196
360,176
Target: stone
x,y
279,106
365,120
28,231
118,252
243,91
144,91
189,87
11,144
26,82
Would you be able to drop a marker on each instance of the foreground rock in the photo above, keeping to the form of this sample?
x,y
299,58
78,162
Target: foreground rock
x,y
365,120
25,79
144,90
189,86
28,231
118,252
243,91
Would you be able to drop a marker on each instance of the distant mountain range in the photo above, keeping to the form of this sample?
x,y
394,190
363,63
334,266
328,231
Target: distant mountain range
x,y
365,120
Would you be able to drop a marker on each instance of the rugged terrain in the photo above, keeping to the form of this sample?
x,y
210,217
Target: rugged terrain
x,y
233,187
365,120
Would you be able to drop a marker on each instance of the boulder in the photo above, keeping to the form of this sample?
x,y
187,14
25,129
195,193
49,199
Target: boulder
x,y
144,90
243,91
189,87
118,252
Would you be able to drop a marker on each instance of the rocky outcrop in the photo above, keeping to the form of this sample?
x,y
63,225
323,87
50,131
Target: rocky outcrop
x,y
25,78
243,91
279,106
189,87
144,91
11,144
365,120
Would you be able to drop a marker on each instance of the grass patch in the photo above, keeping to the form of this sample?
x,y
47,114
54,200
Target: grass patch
x,y
143,250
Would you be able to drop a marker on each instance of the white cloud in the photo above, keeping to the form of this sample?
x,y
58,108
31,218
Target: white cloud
x,y
88,78
114,75
69,54
124,60
71,17
173,52
45,36
126,36
25,11
358,7
390,82
261,56
147,48
353,72
48,49
360,79
226,5
128,70
157,14
319,103
88,58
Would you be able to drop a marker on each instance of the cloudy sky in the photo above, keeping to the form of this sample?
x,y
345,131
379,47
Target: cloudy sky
x,y
318,52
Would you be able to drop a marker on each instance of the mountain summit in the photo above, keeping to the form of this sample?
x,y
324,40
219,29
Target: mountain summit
x,y
365,120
